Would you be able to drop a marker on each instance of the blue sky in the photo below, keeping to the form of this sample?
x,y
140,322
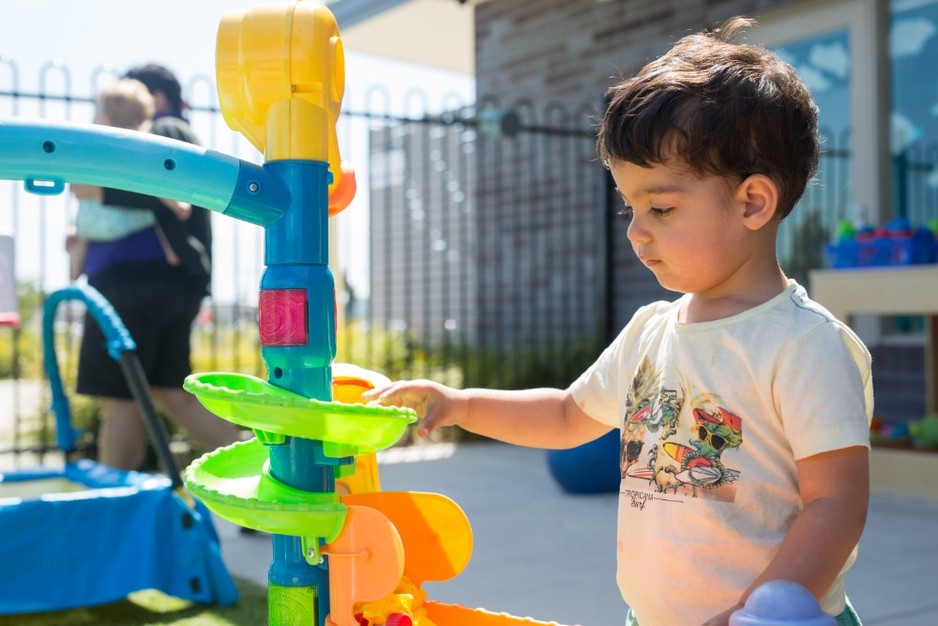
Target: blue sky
x,y
90,33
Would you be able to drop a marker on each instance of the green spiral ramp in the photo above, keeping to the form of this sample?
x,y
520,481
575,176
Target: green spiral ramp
x,y
235,481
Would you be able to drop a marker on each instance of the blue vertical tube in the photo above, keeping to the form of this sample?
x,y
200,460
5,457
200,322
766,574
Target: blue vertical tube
x,y
298,346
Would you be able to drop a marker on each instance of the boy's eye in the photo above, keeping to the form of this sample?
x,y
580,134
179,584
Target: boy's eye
x,y
661,212
625,212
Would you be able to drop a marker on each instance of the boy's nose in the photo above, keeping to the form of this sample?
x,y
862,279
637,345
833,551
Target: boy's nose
x,y
637,233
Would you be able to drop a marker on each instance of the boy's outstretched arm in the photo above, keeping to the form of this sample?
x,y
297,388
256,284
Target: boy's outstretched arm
x,y
538,418
835,489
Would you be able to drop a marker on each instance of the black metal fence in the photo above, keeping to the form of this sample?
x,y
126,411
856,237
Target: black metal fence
x,y
486,231
477,251
469,254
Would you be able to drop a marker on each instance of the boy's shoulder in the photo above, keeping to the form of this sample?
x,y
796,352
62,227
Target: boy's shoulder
x,y
808,319
655,312
660,307
801,305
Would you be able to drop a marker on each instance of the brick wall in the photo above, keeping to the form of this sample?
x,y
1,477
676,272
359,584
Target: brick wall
x,y
571,52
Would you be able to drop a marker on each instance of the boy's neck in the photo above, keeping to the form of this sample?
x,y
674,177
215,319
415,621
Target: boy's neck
x,y
710,307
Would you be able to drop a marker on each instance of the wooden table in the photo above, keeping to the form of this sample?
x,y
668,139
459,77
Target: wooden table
x,y
894,290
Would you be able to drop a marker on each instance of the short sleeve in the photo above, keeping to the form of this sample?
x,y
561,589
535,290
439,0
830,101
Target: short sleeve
x,y
823,390
596,390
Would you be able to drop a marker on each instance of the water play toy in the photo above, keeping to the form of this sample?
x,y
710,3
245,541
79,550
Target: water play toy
x,y
342,548
92,534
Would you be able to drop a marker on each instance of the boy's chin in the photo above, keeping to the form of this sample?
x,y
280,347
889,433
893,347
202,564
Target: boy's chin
x,y
670,285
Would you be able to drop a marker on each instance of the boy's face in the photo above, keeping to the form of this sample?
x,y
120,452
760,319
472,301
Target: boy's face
x,y
687,230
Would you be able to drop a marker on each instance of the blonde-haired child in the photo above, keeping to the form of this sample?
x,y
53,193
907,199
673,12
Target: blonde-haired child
x,y
128,104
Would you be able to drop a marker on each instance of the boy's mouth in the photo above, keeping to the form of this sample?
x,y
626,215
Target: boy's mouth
x,y
648,261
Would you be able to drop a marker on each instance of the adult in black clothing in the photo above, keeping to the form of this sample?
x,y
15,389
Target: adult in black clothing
x,y
191,240
157,301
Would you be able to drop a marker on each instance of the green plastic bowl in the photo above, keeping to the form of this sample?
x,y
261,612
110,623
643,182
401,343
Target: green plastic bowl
x,y
234,483
259,405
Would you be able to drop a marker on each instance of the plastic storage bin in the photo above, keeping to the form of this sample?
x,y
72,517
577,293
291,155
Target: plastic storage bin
x,y
917,249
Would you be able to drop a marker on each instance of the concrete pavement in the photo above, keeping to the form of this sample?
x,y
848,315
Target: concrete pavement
x,y
542,553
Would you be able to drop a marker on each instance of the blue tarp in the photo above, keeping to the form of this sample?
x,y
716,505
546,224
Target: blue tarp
x,y
127,532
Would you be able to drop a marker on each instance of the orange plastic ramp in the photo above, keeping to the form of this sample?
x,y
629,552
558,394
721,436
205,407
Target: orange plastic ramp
x,y
366,562
363,479
349,382
456,615
435,532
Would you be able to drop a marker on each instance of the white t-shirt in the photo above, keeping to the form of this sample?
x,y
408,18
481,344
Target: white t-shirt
x,y
713,416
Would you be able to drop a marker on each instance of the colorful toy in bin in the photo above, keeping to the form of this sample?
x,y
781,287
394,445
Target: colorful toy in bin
x,y
896,243
889,435
924,432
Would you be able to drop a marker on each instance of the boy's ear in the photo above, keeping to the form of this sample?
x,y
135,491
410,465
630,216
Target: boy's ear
x,y
758,195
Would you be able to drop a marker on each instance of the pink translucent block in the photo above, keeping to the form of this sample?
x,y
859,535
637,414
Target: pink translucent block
x,y
282,317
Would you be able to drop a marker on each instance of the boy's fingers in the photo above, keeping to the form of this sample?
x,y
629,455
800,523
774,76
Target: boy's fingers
x,y
426,426
432,418
376,394
396,396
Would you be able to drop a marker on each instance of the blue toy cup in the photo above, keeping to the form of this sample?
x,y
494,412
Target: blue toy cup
x,y
781,603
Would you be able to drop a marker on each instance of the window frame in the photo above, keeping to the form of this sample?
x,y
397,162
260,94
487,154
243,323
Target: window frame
x,y
867,25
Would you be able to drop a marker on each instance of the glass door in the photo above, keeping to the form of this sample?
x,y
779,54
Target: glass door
x,y
913,68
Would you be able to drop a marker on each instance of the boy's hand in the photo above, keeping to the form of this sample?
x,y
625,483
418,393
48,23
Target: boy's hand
x,y
436,405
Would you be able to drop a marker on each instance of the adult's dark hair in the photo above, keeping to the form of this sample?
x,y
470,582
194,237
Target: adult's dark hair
x,y
723,108
159,78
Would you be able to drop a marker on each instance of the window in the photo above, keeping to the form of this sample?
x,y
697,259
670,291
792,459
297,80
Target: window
x,y
913,59
823,62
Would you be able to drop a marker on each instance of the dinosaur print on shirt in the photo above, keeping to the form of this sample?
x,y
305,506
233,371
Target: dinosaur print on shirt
x,y
674,441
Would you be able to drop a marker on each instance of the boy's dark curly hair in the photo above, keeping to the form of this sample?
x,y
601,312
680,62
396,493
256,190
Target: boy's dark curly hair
x,y
722,108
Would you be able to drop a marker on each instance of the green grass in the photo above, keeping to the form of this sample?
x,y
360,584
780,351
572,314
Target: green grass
x,y
153,608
